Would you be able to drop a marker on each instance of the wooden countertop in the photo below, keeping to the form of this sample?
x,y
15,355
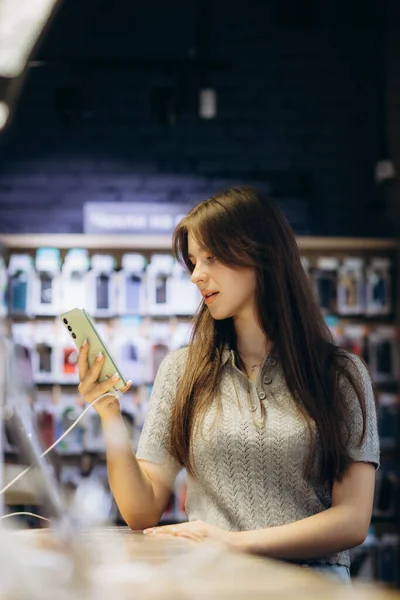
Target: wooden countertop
x,y
123,564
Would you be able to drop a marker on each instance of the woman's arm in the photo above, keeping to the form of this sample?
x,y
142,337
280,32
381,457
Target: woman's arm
x,y
338,528
141,489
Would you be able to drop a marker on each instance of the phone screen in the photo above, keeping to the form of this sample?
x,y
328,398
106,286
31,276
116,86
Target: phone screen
x,y
133,283
70,360
44,351
19,292
161,289
46,284
102,292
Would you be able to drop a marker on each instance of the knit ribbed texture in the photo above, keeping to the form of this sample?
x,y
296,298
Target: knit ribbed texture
x,y
249,477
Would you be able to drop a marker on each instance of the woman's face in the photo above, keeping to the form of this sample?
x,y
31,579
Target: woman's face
x,y
232,289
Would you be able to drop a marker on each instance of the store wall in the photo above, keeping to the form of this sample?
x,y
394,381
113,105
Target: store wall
x,y
298,88
392,102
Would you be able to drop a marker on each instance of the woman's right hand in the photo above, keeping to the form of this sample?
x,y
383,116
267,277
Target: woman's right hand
x,y
91,389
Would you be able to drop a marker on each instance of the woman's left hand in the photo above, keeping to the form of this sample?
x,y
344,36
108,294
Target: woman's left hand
x,y
197,531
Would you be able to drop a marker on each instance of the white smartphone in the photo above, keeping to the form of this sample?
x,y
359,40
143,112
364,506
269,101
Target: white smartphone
x,y
80,327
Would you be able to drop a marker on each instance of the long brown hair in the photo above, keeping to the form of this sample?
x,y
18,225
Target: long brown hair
x,y
243,227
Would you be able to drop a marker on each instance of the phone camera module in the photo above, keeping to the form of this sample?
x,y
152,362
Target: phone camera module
x,y
74,336
69,328
65,321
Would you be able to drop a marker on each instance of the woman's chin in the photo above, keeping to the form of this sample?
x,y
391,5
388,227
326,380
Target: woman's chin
x,y
220,315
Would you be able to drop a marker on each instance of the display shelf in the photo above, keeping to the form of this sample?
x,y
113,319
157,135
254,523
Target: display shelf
x,y
91,242
343,319
382,520
366,319
163,242
347,244
20,318
311,248
75,458
56,382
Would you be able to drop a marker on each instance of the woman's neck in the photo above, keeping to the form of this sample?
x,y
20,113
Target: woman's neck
x,y
252,343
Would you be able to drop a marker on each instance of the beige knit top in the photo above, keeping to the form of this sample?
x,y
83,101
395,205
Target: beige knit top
x,y
247,476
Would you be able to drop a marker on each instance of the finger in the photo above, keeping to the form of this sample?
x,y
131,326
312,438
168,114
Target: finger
x,y
89,386
92,374
95,368
83,365
164,531
106,385
95,391
160,530
126,388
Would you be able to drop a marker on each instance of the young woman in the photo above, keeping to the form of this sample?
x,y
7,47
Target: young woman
x,y
275,424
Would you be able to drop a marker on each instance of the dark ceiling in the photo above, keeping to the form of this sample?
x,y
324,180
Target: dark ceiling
x,y
117,29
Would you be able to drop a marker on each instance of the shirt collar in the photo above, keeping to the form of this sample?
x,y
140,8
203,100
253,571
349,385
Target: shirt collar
x,y
229,355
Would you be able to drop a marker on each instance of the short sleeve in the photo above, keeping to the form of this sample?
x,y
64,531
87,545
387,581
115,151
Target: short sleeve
x,y
368,450
154,439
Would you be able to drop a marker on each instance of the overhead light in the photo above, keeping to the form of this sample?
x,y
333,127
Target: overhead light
x,y
4,114
208,103
384,170
21,23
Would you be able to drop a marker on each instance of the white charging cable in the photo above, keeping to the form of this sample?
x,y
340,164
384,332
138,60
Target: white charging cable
x,y
116,394
29,514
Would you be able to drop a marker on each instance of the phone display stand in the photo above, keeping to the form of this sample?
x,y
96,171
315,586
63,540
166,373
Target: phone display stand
x,y
131,285
159,272
102,288
74,278
325,282
3,288
350,299
378,287
20,284
47,282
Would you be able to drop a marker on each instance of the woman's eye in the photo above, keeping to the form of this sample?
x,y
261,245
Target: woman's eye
x,y
211,258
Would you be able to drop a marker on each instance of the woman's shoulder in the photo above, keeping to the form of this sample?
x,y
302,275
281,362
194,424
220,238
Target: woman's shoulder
x,y
174,361
353,364
179,356
170,371
353,376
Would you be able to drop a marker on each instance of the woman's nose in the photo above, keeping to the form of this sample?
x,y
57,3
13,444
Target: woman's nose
x,y
198,274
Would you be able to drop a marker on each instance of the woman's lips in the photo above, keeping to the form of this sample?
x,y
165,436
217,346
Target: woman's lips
x,y
209,299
